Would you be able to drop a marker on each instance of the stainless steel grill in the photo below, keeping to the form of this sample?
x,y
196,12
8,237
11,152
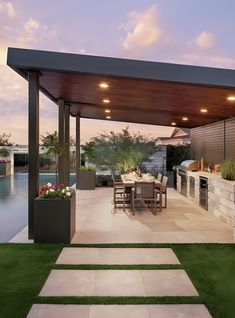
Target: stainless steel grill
x,y
187,165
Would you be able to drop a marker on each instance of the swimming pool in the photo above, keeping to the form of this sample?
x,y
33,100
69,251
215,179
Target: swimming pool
x,y
13,202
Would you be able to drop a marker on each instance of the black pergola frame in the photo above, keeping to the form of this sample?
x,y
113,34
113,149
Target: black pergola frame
x,y
30,63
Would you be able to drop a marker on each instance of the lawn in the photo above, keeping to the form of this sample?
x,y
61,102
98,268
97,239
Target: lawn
x,y
24,269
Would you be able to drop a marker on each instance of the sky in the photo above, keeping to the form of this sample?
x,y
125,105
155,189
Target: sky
x,y
196,32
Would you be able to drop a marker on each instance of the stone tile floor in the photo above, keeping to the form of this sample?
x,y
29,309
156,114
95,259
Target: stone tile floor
x,y
181,222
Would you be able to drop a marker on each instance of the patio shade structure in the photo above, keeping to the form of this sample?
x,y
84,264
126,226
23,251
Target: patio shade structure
x,y
105,88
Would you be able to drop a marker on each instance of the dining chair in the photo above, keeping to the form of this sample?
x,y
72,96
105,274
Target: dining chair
x,y
146,193
159,177
164,189
120,196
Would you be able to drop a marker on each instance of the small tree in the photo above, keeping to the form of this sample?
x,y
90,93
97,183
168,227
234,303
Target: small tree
x,y
89,149
4,152
5,140
122,151
177,154
51,144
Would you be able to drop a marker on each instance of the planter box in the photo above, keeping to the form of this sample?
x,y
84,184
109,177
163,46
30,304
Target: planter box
x,y
5,169
54,220
86,180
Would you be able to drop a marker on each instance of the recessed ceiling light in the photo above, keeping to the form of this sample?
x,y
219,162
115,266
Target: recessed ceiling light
x,y
173,124
106,101
203,110
184,118
103,85
231,98
108,117
107,110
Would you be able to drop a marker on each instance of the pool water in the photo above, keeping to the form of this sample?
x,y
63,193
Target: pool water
x,y
13,202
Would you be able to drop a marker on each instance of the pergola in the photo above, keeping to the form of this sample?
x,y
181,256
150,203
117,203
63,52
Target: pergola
x,y
116,89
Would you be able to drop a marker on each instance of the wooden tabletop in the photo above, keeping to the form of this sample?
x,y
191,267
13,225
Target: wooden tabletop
x,y
130,181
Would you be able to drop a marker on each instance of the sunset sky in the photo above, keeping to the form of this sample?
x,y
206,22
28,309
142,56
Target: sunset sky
x,y
198,32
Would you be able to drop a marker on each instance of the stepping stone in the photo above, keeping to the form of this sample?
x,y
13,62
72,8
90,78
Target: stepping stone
x,y
118,283
69,283
75,255
179,311
118,311
59,311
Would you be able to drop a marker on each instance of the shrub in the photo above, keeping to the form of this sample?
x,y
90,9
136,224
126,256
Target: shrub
x,y
119,151
84,168
176,154
104,181
4,152
228,169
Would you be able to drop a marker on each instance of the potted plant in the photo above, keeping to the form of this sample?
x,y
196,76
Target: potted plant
x,y
54,214
228,169
86,178
5,164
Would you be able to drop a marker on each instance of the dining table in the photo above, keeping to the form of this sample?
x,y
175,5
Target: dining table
x,y
129,180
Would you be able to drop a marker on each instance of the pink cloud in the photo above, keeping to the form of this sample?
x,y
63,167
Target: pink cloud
x,y
143,30
8,8
205,40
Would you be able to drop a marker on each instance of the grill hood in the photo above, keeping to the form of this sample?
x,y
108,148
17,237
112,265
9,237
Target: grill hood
x,y
188,165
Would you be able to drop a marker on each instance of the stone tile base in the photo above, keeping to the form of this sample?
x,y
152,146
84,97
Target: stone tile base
x,y
118,311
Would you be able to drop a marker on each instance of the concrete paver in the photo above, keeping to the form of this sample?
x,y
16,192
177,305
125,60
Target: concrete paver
x,y
76,255
119,311
118,283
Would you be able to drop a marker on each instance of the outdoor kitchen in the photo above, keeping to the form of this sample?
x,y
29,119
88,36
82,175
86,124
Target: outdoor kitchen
x,y
200,180
209,191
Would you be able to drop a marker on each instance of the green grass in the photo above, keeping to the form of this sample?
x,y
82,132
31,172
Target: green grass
x,y
104,300
119,267
24,269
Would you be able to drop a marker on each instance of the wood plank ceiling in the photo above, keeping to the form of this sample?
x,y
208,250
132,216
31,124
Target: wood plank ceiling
x,y
138,91
138,100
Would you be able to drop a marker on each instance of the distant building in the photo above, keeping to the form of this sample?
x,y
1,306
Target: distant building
x,y
179,136
157,162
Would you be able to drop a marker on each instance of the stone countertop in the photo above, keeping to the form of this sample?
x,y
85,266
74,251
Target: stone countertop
x,y
213,175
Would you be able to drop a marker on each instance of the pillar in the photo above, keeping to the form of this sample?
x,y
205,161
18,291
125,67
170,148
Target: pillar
x,y
33,143
77,148
61,132
67,145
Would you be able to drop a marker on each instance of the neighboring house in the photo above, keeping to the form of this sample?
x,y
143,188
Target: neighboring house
x,y
23,150
179,136
157,162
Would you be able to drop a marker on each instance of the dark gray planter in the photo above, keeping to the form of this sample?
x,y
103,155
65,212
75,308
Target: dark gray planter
x,y
86,180
5,169
54,220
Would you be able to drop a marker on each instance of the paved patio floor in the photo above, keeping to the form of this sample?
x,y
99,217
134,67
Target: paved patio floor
x,y
181,222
